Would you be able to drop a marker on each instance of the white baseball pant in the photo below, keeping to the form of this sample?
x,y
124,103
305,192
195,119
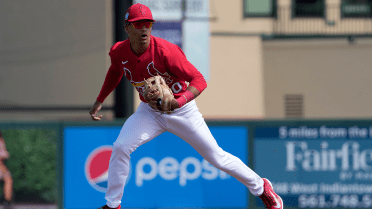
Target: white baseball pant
x,y
187,123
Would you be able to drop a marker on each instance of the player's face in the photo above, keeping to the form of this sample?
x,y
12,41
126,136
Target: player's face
x,y
139,31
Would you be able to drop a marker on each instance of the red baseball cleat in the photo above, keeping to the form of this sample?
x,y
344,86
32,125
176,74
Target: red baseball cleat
x,y
270,199
107,207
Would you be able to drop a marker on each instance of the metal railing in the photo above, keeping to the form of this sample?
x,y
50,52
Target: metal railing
x,y
347,20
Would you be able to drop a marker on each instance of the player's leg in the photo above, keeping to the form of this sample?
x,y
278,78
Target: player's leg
x,y
141,127
192,128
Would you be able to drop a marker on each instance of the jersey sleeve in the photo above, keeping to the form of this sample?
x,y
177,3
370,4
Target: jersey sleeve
x,y
178,65
112,79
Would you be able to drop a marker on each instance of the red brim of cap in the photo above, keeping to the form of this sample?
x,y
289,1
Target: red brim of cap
x,y
139,18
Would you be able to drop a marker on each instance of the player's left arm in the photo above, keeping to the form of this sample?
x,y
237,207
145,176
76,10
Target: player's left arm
x,y
178,65
195,93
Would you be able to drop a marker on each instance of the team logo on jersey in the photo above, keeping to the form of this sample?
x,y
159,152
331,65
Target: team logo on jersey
x,y
153,72
128,74
140,85
96,168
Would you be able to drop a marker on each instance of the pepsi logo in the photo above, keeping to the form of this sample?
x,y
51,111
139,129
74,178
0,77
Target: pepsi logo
x,y
97,166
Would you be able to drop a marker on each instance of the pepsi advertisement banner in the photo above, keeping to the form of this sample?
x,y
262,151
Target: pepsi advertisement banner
x,y
165,172
316,166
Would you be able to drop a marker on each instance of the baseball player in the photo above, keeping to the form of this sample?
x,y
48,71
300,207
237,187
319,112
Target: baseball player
x,y
143,56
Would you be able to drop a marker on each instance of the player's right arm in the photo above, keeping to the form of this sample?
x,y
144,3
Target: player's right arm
x,y
94,110
112,79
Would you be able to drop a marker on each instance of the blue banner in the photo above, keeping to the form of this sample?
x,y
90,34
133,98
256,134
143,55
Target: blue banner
x,y
166,172
170,31
316,166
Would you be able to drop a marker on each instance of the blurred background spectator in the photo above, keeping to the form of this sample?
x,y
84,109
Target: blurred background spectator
x,y
5,174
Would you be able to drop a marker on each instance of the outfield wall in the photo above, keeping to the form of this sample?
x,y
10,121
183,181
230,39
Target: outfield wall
x,y
322,163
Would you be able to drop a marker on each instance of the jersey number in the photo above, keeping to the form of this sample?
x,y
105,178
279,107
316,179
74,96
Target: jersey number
x,y
176,87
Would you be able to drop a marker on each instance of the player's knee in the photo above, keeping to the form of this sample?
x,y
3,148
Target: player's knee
x,y
217,164
218,160
122,148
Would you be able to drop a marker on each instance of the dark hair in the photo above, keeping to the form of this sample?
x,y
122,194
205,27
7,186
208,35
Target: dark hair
x,y
126,24
1,134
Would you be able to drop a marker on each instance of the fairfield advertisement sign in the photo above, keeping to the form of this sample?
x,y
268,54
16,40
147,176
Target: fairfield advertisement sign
x,y
317,166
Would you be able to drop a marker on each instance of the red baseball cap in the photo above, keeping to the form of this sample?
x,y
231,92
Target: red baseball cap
x,y
138,12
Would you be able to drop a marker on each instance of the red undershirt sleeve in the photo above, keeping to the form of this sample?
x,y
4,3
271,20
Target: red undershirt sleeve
x,y
112,79
178,65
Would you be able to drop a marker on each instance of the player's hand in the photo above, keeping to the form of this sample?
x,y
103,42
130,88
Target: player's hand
x,y
94,110
174,104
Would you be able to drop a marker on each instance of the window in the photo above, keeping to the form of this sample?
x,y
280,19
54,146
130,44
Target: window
x,y
356,8
308,8
259,8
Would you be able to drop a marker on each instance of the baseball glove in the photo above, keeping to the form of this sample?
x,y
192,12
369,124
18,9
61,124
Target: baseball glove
x,y
158,94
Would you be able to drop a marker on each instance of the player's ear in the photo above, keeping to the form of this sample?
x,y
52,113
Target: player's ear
x,y
126,27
